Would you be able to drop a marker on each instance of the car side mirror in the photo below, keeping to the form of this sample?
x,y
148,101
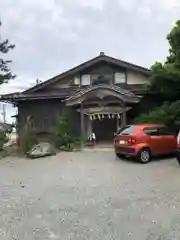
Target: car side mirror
x,y
115,134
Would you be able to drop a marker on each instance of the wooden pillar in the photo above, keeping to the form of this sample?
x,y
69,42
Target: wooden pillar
x,y
89,125
124,115
117,122
124,118
82,126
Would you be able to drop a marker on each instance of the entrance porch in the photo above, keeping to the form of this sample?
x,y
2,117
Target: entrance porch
x,y
104,121
102,109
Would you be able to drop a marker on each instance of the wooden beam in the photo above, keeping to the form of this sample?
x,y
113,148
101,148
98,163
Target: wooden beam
x,y
82,126
104,110
100,102
117,124
124,115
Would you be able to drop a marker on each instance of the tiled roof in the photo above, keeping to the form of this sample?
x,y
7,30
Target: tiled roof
x,y
72,93
114,88
22,96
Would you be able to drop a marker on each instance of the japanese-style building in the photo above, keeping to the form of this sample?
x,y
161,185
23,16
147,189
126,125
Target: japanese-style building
x,y
98,96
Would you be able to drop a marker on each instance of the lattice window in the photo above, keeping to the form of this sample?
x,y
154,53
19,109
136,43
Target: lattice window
x,y
85,79
77,80
120,77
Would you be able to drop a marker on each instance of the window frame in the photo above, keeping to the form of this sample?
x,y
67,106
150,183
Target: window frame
x,y
148,128
131,127
77,78
89,76
169,132
119,73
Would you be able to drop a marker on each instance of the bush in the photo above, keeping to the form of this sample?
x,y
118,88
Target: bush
x,y
61,132
168,114
4,138
28,138
62,136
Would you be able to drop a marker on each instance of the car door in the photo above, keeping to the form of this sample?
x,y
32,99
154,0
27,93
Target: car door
x,y
169,140
155,140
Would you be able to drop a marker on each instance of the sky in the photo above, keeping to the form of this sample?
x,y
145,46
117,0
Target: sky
x,y
52,36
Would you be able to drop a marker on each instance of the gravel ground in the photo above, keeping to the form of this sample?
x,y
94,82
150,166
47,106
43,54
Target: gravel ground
x,y
89,195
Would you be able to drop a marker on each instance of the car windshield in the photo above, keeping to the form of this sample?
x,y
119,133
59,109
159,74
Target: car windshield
x,y
127,130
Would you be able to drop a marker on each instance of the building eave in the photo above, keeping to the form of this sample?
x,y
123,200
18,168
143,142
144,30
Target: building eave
x,y
138,89
16,97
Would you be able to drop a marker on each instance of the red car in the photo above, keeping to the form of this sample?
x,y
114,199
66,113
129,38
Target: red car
x,y
144,141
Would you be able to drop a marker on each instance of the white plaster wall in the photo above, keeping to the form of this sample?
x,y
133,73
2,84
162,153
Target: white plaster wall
x,y
134,77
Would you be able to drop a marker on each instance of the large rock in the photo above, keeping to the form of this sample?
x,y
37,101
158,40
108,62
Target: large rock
x,y
42,149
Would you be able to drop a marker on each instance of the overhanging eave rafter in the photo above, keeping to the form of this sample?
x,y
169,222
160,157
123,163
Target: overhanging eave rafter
x,y
100,92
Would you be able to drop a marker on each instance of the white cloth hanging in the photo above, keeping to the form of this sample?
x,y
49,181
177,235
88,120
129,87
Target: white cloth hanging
x,y
93,136
178,138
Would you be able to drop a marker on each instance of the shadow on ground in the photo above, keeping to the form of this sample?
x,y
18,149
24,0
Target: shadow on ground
x,y
154,159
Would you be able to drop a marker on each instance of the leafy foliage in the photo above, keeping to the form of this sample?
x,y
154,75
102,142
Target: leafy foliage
x,y
165,81
174,41
168,114
165,77
28,137
3,139
62,136
61,132
4,135
5,72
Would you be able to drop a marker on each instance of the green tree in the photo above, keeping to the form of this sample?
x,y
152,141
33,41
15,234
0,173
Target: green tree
x,y
165,78
165,81
168,114
174,40
5,71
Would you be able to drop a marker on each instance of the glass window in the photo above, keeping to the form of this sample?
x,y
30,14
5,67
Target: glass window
x,y
85,79
106,76
76,80
127,130
120,77
152,131
164,131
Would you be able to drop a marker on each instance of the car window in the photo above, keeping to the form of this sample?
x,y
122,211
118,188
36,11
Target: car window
x,y
127,130
164,131
152,131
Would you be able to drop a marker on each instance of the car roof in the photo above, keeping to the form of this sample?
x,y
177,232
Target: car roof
x,y
147,125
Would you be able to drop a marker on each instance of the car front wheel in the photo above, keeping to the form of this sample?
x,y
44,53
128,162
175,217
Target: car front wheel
x,y
144,155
